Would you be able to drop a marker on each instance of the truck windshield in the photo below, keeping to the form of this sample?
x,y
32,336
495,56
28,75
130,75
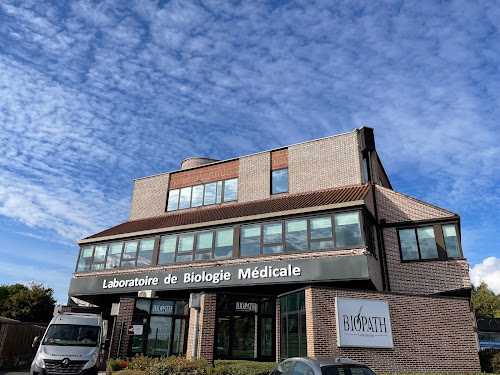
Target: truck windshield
x,y
74,335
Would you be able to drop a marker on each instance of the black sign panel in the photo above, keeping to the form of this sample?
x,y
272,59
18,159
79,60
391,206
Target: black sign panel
x,y
305,270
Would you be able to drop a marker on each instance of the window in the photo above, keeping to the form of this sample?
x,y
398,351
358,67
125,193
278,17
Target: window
x,y
203,195
315,233
293,326
279,181
196,246
425,243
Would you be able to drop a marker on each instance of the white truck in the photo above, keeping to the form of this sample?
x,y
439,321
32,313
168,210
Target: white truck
x,y
71,344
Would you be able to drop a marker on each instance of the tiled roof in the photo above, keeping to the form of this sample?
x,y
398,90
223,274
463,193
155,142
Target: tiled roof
x,y
231,211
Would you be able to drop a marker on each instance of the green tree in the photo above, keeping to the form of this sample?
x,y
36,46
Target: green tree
x,y
27,304
484,302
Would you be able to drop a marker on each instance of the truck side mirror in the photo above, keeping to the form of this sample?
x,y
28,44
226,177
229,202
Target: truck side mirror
x,y
36,342
105,344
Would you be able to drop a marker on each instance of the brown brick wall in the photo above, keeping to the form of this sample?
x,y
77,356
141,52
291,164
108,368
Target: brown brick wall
x,y
254,177
395,207
370,204
378,171
325,163
207,327
423,277
375,272
192,321
279,159
124,315
149,197
210,173
430,334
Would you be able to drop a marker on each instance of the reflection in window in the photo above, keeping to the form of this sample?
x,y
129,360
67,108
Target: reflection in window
x,y
173,200
451,241
114,255
223,243
427,243
209,194
145,252
185,199
250,240
197,196
296,235
167,249
408,241
231,190
347,230
279,181
100,253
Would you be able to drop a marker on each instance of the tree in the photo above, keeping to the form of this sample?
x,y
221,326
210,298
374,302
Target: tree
x,y
27,304
484,302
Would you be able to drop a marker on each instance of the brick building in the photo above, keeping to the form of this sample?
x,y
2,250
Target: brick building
x,y
302,250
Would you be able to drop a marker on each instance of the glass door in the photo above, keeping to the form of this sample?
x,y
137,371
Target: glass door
x,y
160,328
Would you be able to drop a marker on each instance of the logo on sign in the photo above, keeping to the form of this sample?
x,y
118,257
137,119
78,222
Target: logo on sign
x,y
162,309
246,306
135,329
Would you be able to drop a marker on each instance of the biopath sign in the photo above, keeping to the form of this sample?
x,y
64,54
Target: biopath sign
x,y
363,323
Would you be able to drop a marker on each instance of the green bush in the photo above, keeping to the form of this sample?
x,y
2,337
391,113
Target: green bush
x,y
236,367
130,372
490,360
114,365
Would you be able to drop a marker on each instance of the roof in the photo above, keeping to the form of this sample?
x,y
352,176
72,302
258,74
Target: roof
x,y
231,211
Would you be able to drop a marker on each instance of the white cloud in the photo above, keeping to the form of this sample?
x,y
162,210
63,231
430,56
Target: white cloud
x,y
489,272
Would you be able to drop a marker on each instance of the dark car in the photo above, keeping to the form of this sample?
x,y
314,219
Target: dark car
x,y
321,366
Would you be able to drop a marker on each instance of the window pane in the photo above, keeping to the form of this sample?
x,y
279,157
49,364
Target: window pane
x,y
130,250
203,256
293,335
85,258
292,303
427,242
181,308
204,241
173,200
128,263
197,196
321,227
272,249
98,266
250,240
185,199
347,229
451,241
100,253
219,192
296,235
223,243
273,233
114,254
319,245
244,337
266,337
159,335
279,181
184,258
231,190
142,306
222,336
145,252
408,242
209,193
186,242
162,308
167,249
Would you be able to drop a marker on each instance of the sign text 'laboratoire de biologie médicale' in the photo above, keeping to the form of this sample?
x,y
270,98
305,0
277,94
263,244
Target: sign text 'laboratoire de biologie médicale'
x,y
193,277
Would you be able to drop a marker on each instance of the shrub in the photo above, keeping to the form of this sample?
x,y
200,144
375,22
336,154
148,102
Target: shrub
x,y
130,372
115,365
236,367
490,360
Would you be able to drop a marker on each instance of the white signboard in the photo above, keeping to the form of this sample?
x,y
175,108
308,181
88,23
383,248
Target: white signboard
x,y
363,323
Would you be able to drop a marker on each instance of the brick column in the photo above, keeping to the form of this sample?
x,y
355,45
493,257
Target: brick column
x,y
124,315
191,331
309,321
206,334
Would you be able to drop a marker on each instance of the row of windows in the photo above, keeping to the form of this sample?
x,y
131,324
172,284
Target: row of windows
x,y
420,243
316,233
302,234
203,195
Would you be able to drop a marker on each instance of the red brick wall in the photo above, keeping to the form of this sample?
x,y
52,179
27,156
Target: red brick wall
x,y
211,173
279,159
207,327
124,315
430,334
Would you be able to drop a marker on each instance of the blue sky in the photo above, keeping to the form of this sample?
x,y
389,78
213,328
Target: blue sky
x,y
95,94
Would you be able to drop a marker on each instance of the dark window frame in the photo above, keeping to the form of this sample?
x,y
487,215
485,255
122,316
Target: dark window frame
x,y
438,236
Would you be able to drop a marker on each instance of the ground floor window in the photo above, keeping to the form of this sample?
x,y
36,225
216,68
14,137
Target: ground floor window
x,y
245,327
164,327
293,341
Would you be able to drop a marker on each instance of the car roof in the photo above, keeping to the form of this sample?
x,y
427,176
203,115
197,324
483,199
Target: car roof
x,y
329,361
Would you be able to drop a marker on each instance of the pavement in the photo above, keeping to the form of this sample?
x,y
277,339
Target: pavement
x,y
17,371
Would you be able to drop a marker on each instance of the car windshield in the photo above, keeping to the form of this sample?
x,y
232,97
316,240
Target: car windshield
x,y
71,335
346,370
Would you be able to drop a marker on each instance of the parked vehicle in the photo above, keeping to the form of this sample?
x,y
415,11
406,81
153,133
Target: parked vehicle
x,y
321,366
71,344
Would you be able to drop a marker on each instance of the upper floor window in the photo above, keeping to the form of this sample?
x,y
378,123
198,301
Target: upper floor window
x,y
324,232
115,255
202,195
279,181
429,242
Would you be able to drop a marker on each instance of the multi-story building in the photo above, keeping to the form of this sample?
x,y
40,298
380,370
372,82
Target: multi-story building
x,y
302,250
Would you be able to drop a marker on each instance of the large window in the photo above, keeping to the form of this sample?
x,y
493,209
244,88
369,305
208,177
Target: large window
x,y
429,242
293,326
115,255
279,181
324,232
203,195
205,245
